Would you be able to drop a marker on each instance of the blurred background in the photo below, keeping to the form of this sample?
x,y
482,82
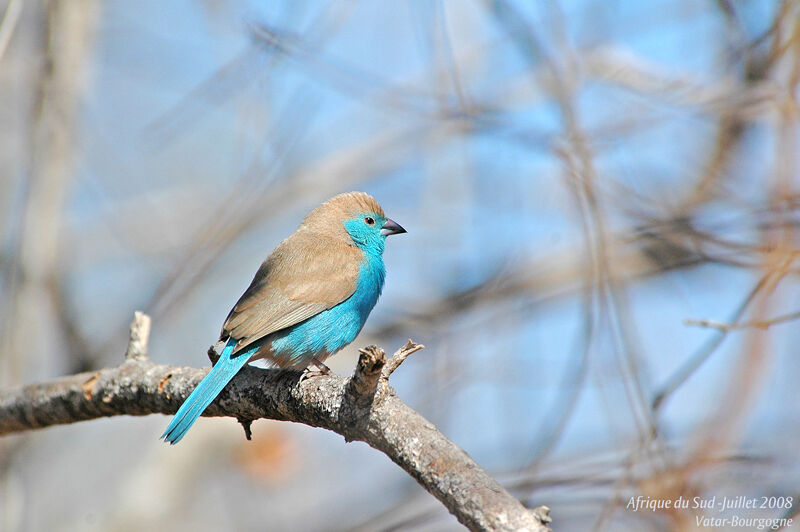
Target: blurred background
x,y
601,199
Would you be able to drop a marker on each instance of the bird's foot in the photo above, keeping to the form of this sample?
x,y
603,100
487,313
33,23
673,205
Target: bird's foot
x,y
321,369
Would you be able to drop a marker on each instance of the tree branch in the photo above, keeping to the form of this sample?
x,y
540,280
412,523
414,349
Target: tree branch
x,y
357,408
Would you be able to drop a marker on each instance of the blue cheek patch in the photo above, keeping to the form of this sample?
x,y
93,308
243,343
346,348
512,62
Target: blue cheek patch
x,y
367,237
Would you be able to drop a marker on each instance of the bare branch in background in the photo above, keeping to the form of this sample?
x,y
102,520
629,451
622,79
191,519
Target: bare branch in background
x,y
8,24
755,324
67,48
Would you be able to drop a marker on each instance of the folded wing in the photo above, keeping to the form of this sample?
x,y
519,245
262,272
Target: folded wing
x,y
305,275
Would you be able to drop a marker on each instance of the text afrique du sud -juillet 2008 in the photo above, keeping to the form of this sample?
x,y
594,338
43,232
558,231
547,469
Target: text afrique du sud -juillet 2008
x,y
721,504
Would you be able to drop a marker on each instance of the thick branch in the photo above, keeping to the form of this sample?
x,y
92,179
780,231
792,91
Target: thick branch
x,y
138,387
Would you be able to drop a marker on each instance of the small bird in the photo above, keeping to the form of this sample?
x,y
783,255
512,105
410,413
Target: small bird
x,y
308,300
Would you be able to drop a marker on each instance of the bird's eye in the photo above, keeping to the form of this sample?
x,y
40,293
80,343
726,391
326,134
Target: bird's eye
x,y
370,220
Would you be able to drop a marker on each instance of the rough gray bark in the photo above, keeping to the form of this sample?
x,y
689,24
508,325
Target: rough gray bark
x,y
363,407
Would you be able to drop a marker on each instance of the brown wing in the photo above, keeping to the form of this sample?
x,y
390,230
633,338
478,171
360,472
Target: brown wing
x,y
306,274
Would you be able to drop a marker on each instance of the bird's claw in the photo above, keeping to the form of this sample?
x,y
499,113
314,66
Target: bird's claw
x,y
321,370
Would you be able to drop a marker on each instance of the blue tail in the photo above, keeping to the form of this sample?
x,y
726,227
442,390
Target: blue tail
x,y
208,389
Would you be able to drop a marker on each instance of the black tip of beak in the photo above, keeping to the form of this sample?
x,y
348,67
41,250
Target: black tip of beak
x,y
391,228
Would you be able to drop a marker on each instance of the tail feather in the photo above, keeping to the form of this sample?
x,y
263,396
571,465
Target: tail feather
x,y
202,396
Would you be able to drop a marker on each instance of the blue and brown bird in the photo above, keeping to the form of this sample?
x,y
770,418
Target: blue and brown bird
x,y
308,300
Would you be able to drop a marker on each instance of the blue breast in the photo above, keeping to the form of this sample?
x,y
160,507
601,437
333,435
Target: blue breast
x,y
329,331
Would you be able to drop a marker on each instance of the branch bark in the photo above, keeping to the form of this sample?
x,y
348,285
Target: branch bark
x,y
357,408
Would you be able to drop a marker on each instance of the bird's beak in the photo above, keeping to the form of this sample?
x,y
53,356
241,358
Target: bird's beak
x,y
391,228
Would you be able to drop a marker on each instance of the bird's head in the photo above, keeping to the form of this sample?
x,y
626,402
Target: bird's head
x,y
355,216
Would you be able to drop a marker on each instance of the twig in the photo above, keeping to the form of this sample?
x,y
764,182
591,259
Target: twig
x,y
399,357
139,336
247,426
364,382
757,324
697,359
